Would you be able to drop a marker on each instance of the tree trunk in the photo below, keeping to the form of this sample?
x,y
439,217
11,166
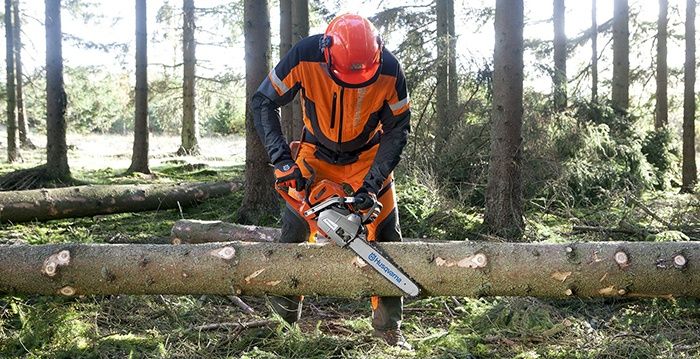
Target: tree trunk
x,y
190,128
474,269
452,76
56,149
442,94
287,112
689,171
621,51
22,126
83,201
259,200
12,148
139,157
193,231
300,30
504,202
560,79
661,119
594,52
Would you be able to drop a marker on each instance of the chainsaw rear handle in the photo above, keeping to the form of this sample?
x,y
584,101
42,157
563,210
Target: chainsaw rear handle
x,y
283,191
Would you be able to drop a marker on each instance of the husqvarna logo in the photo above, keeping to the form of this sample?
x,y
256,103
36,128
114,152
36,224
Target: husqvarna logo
x,y
373,257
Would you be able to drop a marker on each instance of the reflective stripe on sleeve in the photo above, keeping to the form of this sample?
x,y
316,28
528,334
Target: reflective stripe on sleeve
x,y
278,83
399,105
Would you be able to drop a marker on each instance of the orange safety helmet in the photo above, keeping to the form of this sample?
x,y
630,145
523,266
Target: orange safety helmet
x,y
353,50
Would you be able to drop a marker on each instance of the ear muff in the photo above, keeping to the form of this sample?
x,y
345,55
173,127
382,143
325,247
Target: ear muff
x,y
325,46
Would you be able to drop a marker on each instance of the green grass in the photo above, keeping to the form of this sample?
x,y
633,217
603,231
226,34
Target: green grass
x,y
161,326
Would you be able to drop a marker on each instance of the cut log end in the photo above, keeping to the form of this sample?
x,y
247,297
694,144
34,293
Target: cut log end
x,y
68,291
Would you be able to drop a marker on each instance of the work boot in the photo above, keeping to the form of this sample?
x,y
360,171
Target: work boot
x,y
393,337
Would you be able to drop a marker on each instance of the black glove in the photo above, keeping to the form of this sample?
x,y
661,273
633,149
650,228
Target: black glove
x,y
365,200
288,175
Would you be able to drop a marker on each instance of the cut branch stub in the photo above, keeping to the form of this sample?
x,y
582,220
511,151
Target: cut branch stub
x,y
622,259
225,253
67,291
55,261
680,261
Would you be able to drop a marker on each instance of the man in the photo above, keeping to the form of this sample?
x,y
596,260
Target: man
x,y
356,124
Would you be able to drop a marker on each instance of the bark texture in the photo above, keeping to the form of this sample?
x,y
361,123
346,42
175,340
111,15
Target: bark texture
x,y
594,52
689,170
475,269
56,149
22,126
191,231
621,51
139,156
504,203
287,112
194,232
442,97
300,30
70,202
11,103
190,128
259,198
560,79
661,119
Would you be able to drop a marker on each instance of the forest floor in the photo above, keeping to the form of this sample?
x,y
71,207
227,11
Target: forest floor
x,y
453,327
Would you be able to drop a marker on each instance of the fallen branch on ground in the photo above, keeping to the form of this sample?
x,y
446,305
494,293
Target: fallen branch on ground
x,y
238,326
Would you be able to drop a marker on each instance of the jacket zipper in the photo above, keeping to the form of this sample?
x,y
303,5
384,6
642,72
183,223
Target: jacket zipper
x,y
340,120
333,110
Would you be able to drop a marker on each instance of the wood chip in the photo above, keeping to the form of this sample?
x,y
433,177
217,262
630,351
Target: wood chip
x,y
608,290
255,274
561,276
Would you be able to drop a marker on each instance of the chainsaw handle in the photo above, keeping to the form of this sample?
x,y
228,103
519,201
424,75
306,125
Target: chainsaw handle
x,y
283,191
372,213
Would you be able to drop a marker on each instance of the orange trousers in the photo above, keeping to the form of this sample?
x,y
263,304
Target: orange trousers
x,y
386,311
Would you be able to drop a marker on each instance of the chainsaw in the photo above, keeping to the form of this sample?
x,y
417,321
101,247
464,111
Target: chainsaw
x,y
335,217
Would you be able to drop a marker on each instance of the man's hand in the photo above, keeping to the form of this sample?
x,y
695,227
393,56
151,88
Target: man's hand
x,y
288,175
365,200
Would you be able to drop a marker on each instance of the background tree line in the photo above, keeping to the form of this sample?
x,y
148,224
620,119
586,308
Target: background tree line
x,y
491,141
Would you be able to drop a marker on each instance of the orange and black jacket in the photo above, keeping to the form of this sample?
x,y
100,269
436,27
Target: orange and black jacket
x,y
342,121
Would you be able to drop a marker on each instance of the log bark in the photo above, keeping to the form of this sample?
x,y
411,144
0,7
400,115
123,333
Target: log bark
x,y
594,269
187,231
192,231
82,201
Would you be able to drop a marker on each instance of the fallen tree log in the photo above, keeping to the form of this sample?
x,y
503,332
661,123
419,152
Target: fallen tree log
x,y
193,231
595,269
83,201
